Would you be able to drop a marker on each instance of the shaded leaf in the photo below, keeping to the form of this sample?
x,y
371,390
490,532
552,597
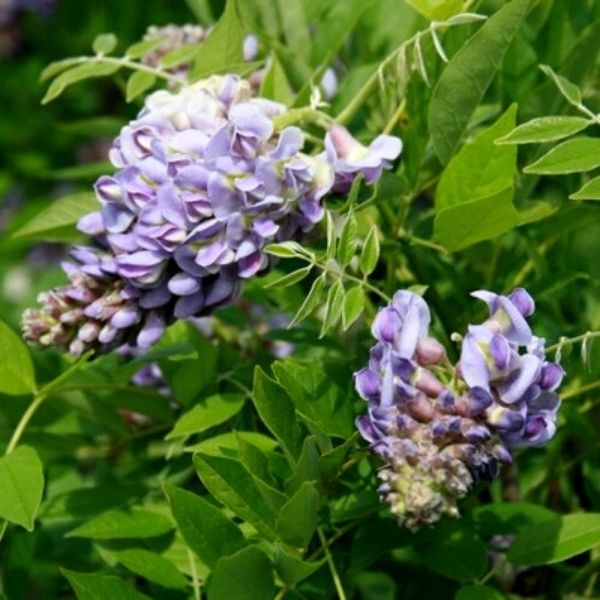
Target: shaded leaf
x,y
573,156
311,301
22,485
290,278
212,411
333,307
468,75
151,566
277,412
229,482
247,575
93,586
16,369
298,517
206,530
119,524
65,211
557,540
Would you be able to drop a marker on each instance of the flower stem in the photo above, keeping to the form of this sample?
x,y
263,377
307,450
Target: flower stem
x,y
582,390
334,574
24,421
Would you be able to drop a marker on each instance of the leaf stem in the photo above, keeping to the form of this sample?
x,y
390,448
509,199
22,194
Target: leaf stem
x,y
334,574
582,390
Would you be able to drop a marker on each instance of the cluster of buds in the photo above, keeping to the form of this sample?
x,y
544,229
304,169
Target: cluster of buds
x,y
441,428
205,180
172,37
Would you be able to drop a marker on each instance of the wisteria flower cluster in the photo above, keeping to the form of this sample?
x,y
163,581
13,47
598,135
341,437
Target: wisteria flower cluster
x,y
205,180
441,428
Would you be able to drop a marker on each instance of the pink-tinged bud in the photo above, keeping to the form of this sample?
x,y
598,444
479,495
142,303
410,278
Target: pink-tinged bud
x,y
420,408
429,352
428,383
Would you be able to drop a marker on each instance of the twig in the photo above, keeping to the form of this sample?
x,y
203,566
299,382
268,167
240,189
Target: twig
x,y
334,574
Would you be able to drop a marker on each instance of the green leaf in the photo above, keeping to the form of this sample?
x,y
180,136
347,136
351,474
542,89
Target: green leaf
x,y
22,485
294,25
206,530
223,444
437,10
119,524
277,412
230,483
92,586
545,129
290,278
289,249
307,468
64,212
297,520
369,255
554,541
462,225
311,301
455,552
224,46
478,592
247,575
138,83
16,369
481,168
536,211
138,49
348,240
573,156
508,518
354,303
316,393
104,43
275,84
333,307
590,191
568,89
151,566
468,75
212,411
292,569
76,74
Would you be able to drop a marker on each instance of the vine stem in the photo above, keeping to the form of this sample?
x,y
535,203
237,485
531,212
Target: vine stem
x,y
128,64
358,280
334,574
590,335
582,390
24,421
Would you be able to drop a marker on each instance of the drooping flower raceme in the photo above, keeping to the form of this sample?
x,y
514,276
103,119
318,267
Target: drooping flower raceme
x,y
205,180
441,428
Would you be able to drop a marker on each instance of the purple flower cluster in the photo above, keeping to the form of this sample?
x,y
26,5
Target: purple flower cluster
x,y
441,428
205,180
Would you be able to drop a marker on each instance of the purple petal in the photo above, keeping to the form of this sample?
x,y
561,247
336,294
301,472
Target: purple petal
x,y
152,330
183,284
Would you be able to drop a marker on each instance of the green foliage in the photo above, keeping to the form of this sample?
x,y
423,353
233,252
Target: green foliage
x,y
16,369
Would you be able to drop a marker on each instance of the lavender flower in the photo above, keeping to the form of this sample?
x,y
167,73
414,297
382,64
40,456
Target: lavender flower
x,y
204,182
441,428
